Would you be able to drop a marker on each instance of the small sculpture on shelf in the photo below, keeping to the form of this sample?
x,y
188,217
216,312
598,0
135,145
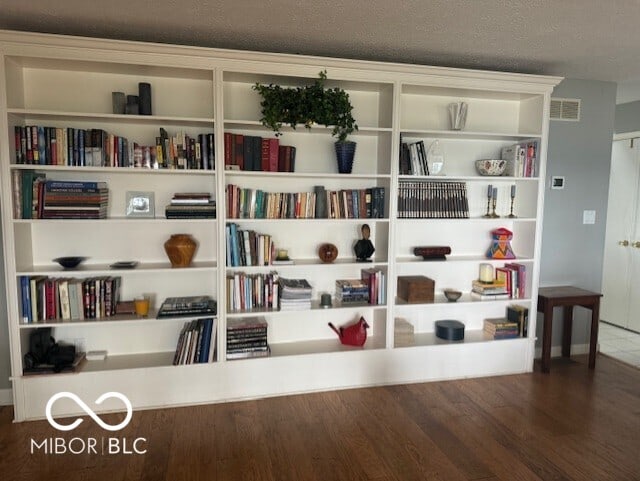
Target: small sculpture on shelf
x,y
501,244
353,335
364,247
180,249
328,253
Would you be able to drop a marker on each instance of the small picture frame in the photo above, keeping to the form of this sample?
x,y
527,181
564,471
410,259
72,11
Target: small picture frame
x,y
140,204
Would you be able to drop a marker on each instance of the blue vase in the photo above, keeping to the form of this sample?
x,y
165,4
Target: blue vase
x,y
345,152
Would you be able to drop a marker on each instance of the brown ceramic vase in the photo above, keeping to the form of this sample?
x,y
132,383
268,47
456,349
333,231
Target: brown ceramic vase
x,y
180,249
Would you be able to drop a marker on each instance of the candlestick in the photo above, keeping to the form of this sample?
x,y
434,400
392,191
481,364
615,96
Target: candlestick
x,y
513,198
495,192
486,273
489,194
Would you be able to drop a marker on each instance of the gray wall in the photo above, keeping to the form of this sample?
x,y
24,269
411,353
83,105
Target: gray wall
x,y
5,364
627,117
572,253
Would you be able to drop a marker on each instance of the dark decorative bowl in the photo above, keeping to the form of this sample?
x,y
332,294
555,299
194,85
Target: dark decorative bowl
x,y
69,262
452,295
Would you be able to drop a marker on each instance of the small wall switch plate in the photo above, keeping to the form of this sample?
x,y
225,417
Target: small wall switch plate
x,y
557,182
589,217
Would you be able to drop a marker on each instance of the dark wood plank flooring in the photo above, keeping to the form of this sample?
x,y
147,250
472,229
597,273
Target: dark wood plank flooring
x,y
572,424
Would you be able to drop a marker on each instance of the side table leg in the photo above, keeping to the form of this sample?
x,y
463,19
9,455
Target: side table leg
x,y
566,331
593,343
546,337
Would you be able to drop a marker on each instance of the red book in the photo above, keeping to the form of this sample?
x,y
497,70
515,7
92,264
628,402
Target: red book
x,y
282,154
238,141
265,155
228,139
273,151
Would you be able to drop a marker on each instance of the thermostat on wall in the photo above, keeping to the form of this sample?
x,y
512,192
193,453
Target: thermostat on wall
x,y
557,182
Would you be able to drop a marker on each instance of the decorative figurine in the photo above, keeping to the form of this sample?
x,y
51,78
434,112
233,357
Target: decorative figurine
x,y
501,246
364,247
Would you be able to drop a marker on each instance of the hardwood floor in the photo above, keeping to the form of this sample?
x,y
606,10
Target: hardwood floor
x,y
572,424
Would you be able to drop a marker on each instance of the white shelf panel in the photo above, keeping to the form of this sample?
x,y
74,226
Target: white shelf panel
x,y
358,220
129,361
321,346
256,124
471,219
117,220
458,258
467,178
308,263
90,116
236,175
464,134
315,306
112,170
466,298
102,269
430,339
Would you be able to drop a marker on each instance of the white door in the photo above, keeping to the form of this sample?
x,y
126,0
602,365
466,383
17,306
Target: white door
x,y
621,268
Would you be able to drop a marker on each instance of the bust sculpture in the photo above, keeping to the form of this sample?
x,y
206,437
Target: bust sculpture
x,y
364,247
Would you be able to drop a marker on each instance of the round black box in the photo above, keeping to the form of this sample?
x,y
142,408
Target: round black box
x,y
450,330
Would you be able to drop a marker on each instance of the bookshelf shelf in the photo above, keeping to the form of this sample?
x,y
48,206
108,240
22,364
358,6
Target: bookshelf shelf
x,y
34,115
322,346
105,269
66,82
112,170
423,339
468,135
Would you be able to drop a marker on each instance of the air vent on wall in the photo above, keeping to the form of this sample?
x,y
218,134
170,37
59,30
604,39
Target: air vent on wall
x,y
565,109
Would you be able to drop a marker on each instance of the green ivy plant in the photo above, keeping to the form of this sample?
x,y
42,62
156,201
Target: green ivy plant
x,y
308,105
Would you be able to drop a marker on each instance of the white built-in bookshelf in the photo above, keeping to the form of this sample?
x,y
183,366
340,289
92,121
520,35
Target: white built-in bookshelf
x,y
67,82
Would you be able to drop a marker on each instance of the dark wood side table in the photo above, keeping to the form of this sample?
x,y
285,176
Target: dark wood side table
x,y
567,297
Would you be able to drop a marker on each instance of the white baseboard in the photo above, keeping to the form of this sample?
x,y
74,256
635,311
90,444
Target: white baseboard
x,y
6,397
556,351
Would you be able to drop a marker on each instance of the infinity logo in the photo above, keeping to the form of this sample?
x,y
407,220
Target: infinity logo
x,y
89,411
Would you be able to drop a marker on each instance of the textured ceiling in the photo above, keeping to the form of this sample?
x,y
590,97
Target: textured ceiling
x,y
585,39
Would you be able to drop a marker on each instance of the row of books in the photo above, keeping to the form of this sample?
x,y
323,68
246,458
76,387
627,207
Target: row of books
x,y
432,200
252,291
250,152
248,248
49,298
370,288
522,158
191,205
245,203
247,338
413,158
41,145
197,342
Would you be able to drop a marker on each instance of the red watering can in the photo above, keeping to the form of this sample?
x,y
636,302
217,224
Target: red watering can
x,y
353,335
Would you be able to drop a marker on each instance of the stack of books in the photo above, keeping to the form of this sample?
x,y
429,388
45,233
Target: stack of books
x,y
197,342
295,294
352,291
191,205
485,291
501,328
247,338
73,200
188,306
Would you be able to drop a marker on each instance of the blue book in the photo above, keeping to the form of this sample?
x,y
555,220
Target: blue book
x,y
70,184
205,340
235,257
26,299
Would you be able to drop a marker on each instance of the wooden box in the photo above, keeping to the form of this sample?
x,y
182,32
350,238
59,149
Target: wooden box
x,y
415,289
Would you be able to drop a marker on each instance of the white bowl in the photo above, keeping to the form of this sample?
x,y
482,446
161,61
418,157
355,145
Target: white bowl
x,y
491,166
